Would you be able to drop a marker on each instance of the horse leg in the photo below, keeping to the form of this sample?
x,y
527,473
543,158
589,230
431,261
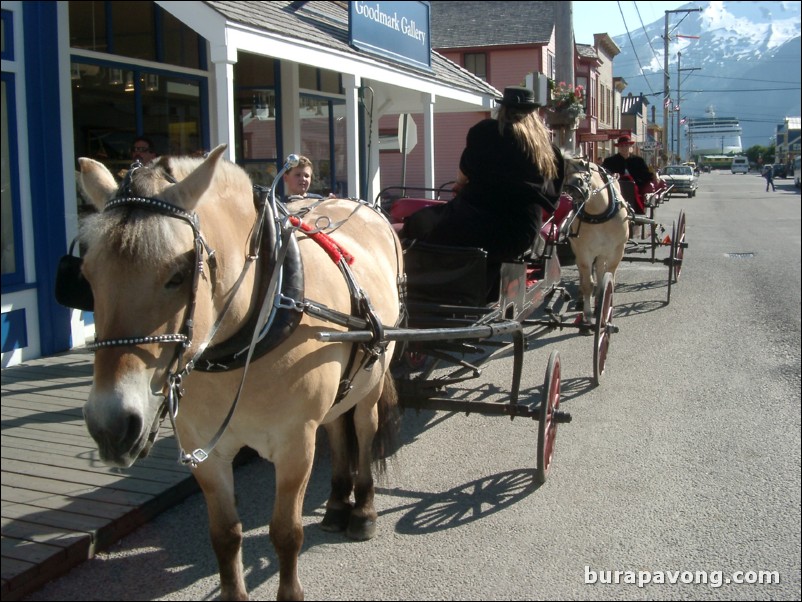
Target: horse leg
x,y
586,285
376,427
293,468
216,479
338,506
362,524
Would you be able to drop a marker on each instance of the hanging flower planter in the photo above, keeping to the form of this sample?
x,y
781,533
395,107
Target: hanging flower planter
x,y
567,105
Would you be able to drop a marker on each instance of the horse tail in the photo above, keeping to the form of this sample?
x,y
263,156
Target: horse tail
x,y
386,441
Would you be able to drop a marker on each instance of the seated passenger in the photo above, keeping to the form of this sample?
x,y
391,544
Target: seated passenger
x,y
298,179
634,168
509,173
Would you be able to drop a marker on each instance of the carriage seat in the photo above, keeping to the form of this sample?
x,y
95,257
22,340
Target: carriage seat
x,y
446,275
404,207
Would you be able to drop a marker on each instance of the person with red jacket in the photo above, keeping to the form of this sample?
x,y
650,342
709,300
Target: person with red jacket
x,y
632,167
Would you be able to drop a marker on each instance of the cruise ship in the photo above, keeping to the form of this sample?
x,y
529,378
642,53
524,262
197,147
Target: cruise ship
x,y
712,135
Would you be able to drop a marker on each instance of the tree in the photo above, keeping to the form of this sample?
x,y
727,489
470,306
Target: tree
x,y
760,154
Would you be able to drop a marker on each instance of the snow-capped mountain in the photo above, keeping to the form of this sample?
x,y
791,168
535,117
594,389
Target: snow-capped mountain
x,y
740,58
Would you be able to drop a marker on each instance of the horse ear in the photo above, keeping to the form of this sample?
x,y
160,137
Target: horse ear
x,y
96,182
188,191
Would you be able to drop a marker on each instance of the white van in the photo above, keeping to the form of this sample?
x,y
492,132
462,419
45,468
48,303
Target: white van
x,y
740,165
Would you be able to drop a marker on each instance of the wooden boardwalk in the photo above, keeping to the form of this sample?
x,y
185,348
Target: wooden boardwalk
x,y
60,504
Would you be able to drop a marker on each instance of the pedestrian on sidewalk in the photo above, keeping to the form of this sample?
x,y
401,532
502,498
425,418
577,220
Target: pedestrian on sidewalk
x,y
768,173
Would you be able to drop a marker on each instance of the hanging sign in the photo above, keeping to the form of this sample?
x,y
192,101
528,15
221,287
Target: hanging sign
x,y
398,31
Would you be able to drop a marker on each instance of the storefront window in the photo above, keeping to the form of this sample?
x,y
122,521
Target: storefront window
x,y
88,26
323,141
140,30
256,134
257,107
9,201
112,105
321,80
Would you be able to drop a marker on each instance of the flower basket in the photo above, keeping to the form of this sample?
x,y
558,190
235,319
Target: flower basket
x,y
567,105
565,118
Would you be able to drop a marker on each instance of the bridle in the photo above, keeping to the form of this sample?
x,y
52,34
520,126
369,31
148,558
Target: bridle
x,y
579,188
183,338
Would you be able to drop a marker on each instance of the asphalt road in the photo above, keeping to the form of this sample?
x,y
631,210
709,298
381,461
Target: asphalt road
x,y
683,466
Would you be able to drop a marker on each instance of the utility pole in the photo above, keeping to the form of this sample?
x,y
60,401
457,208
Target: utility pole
x,y
564,68
679,104
666,89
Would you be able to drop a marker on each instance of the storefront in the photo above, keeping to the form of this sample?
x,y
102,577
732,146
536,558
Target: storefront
x,y
267,78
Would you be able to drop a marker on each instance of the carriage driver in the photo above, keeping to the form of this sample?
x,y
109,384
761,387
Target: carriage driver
x,y
509,173
626,164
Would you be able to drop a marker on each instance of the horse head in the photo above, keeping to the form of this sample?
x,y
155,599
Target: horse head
x,y
154,275
577,179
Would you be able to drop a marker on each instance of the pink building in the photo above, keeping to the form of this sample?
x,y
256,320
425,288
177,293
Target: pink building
x,y
500,43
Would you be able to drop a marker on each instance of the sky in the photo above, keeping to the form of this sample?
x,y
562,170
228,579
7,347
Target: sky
x,y
605,17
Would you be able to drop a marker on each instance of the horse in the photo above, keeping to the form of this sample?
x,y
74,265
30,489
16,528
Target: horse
x,y
188,268
597,227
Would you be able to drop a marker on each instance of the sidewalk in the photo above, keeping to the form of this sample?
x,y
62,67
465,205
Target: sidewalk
x,y
60,504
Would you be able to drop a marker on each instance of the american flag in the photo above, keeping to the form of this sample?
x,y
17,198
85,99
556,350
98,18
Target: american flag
x,y
667,102
676,108
683,120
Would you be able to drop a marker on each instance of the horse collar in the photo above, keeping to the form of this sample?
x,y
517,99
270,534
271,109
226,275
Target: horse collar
x,y
612,205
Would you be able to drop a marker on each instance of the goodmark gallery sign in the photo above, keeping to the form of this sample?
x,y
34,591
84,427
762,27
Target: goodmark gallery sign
x,y
394,30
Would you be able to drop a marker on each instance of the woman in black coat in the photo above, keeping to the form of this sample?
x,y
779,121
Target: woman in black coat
x,y
509,173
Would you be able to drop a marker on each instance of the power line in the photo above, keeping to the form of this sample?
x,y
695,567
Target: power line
x,y
634,51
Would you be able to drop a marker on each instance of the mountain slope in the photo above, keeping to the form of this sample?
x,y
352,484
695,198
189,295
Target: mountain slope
x,y
741,58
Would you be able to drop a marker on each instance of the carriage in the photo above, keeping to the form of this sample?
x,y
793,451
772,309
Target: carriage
x,y
648,239
195,276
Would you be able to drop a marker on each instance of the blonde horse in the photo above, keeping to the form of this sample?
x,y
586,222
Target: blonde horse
x,y
598,226
185,265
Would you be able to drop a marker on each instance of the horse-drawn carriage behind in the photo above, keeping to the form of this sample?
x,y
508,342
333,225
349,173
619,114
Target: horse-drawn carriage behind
x,y
196,275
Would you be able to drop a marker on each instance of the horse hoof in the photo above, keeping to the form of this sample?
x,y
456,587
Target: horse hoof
x,y
586,327
336,520
361,528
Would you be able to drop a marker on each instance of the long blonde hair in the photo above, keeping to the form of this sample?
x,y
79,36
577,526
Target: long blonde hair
x,y
531,134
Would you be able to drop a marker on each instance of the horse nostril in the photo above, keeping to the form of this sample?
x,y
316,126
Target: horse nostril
x,y
133,431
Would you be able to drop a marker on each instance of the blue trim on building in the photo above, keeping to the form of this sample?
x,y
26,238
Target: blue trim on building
x,y
13,331
16,277
8,35
45,163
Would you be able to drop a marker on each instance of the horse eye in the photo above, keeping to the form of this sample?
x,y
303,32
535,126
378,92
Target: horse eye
x,y
176,281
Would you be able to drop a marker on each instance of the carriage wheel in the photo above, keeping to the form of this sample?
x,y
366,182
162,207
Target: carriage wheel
x,y
604,329
671,260
678,251
547,429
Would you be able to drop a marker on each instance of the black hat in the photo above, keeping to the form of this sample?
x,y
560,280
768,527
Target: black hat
x,y
518,97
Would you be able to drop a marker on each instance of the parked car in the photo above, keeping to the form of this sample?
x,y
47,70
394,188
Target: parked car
x,y
740,165
779,170
682,178
797,170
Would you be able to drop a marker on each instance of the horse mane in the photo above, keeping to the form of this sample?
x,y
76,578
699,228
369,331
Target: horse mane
x,y
132,231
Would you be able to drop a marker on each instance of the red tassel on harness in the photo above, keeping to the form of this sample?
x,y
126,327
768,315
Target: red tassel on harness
x,y
326,242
